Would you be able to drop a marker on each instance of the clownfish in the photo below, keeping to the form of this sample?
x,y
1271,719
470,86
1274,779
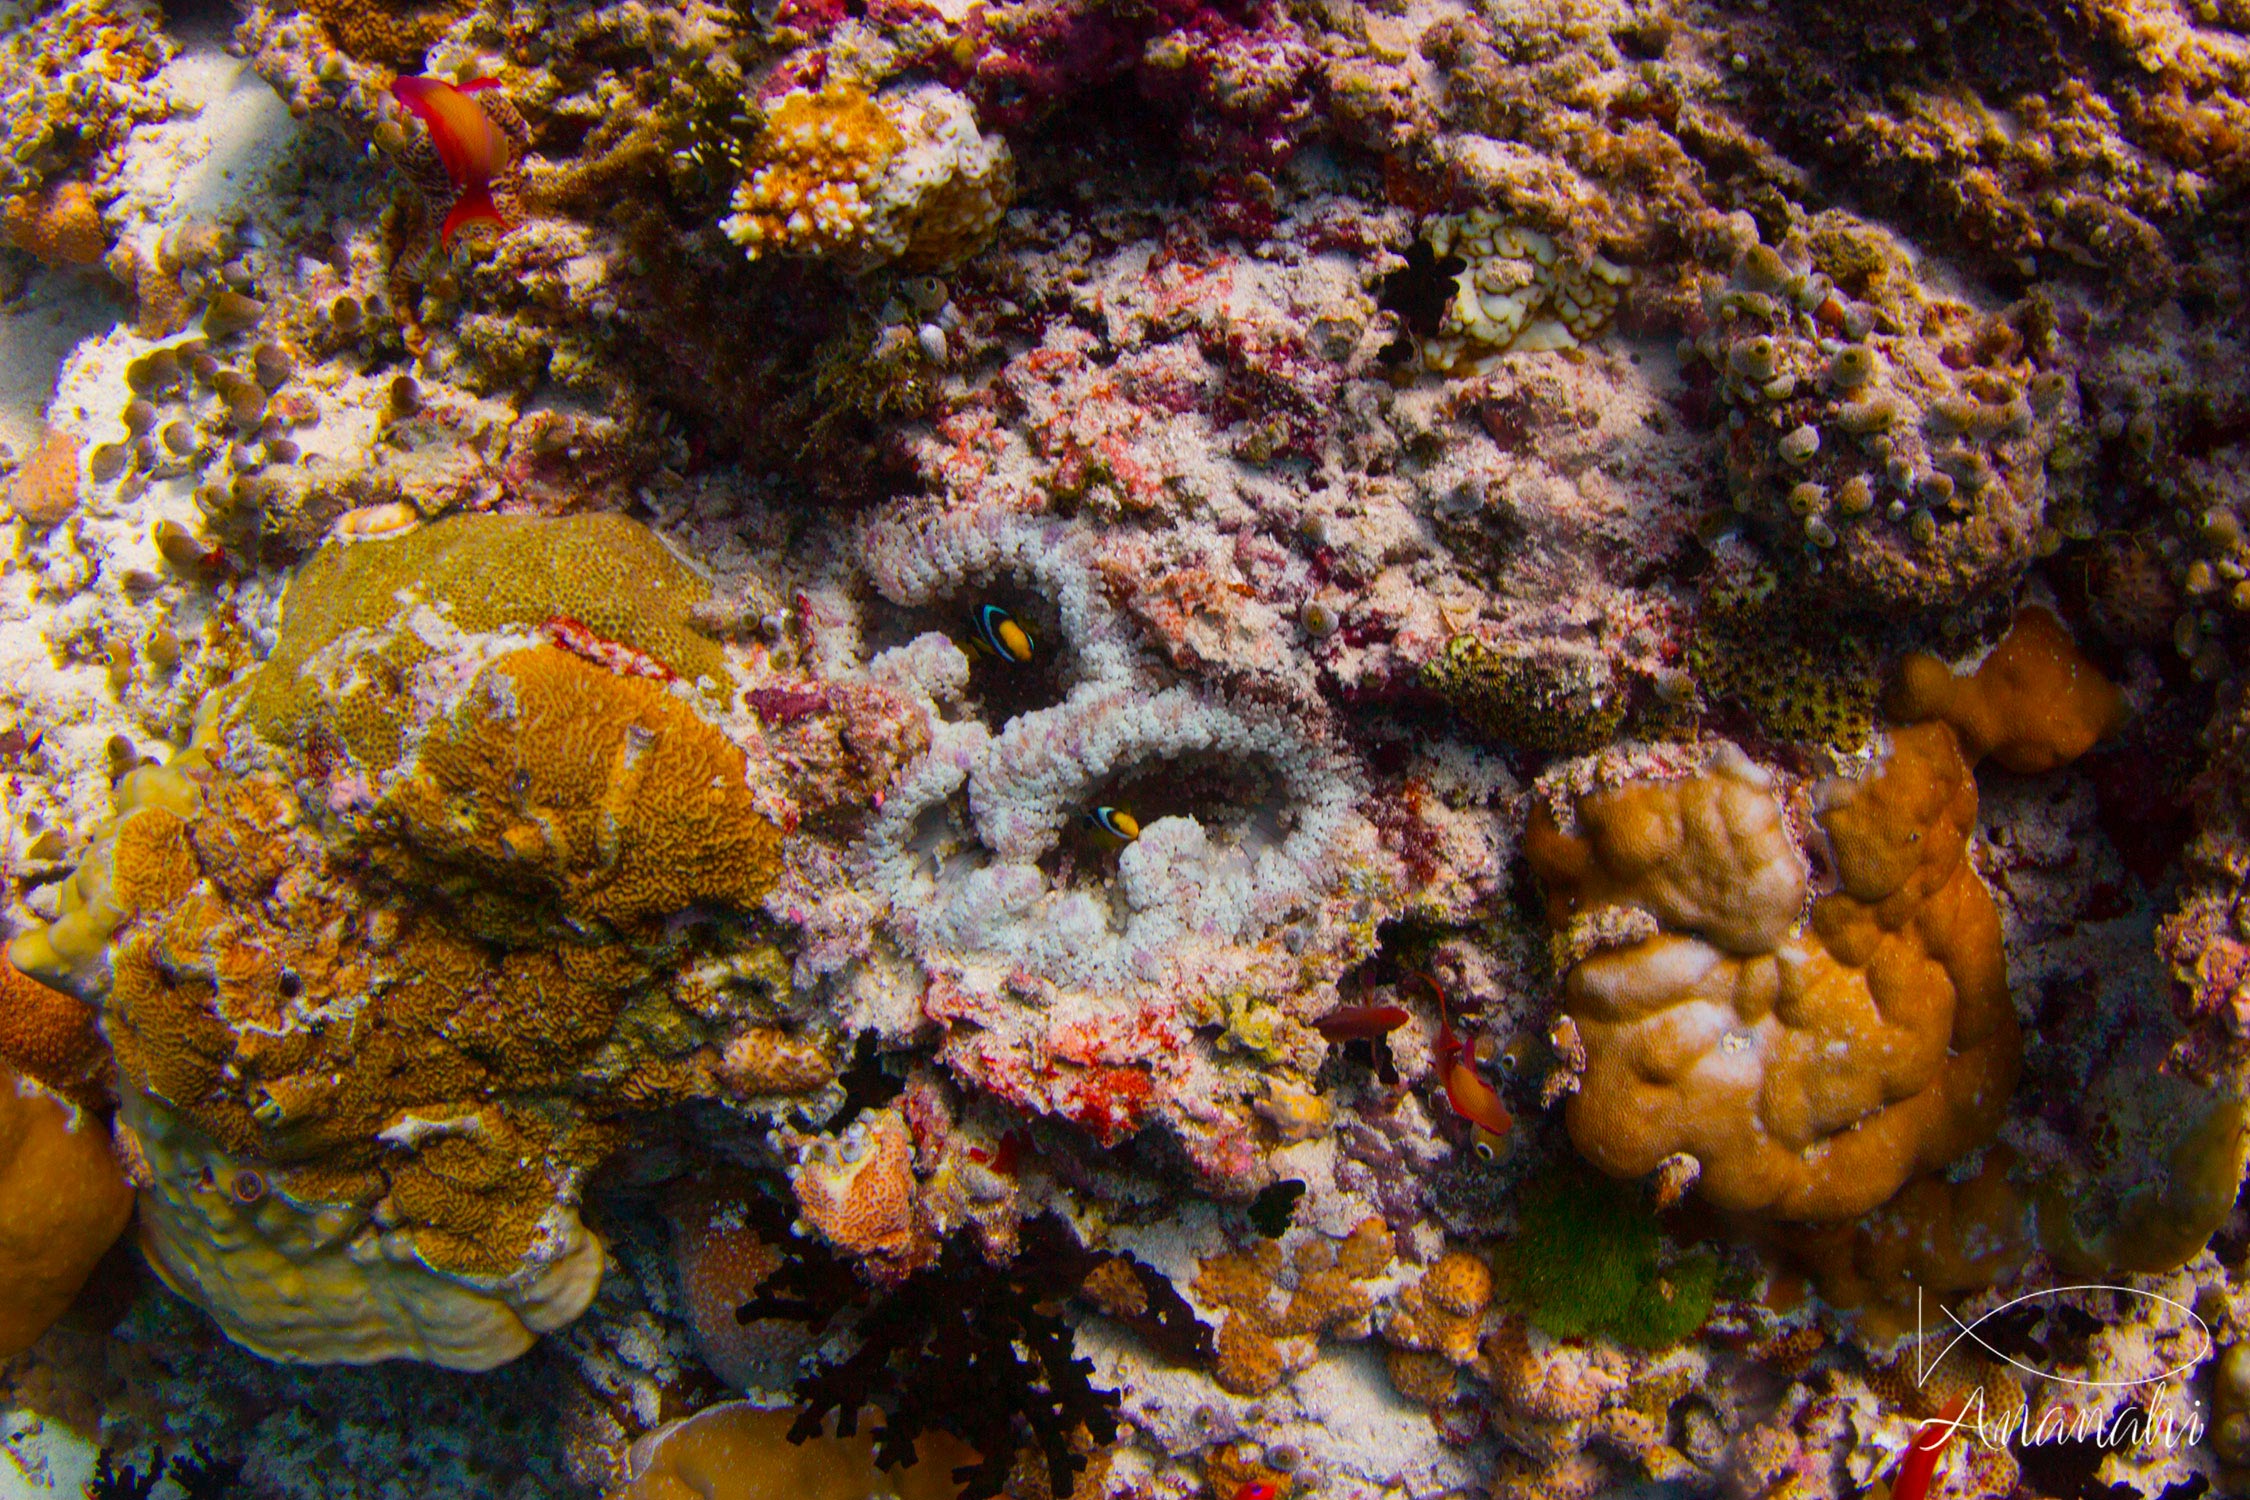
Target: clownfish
x,y
473,149
1113,825
999,633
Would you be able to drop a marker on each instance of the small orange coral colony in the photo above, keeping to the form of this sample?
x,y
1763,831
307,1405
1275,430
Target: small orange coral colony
x,y
2036,703
62,228
737,1452
63,1202
50,1036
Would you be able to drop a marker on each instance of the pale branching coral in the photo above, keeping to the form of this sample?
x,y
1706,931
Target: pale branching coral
x,y
902,178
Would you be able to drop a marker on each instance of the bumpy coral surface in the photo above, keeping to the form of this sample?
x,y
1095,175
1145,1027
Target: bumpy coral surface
x,y
1256,750
63,1199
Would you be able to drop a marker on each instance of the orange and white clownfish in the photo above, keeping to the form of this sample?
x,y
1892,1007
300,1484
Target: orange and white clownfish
x,y
1000,634
1113,826
473,149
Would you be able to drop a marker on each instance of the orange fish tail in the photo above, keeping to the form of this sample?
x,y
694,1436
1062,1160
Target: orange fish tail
x,y
473,206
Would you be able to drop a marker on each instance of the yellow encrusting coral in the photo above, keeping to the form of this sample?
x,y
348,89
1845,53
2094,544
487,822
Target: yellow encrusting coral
x,y
476,574
735,1451
325,1282
62,226
1260,1341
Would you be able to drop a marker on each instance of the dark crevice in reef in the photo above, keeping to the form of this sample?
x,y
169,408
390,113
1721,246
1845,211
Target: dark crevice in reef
x,y
1000,689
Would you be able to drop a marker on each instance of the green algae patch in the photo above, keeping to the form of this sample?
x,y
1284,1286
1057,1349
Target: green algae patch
x,y
1590,1262
481,573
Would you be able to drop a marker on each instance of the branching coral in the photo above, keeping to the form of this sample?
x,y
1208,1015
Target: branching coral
x,y
962,1348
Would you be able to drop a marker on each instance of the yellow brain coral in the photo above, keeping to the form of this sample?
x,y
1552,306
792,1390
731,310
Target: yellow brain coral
x,y
63,1200
350,622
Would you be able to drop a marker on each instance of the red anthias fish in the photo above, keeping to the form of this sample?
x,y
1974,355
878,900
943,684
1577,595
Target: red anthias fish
x,y
1918,1470
474,150
1472,1098
1356,1022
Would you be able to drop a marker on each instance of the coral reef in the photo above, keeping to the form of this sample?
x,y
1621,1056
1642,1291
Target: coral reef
x,y
1238,750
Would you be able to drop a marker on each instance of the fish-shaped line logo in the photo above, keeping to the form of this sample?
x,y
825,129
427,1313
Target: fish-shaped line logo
x,y
1969,1332
474,150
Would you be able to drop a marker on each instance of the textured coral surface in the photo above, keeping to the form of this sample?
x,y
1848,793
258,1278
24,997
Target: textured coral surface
x,y
1406,748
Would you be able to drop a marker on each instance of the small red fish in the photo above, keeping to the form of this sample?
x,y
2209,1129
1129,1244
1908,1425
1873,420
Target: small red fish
x,y
474,150
1472,1098
1347,1023
1256,1489
1918,1471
